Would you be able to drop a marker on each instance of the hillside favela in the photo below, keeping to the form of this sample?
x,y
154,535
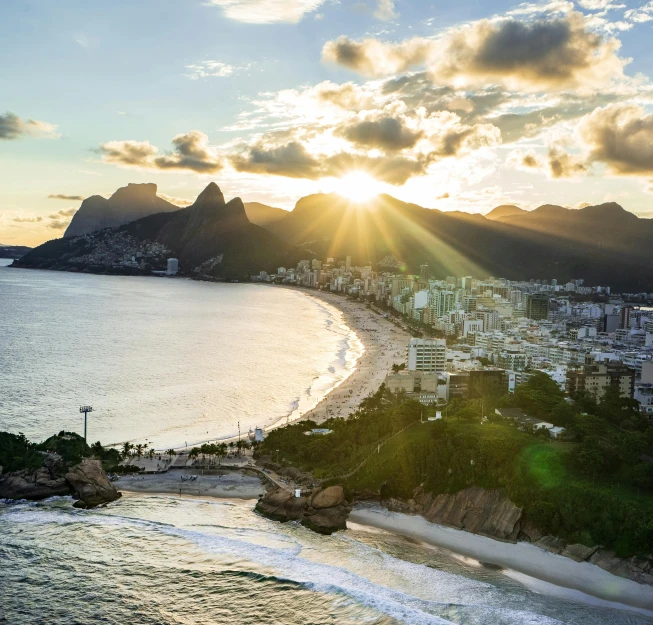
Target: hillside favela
x,y
326,312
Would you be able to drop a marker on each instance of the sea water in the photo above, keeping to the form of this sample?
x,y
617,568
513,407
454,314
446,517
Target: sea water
x,y
163,560
164,361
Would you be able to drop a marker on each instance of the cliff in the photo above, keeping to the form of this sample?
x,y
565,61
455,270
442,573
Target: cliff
x,y
491,513
129,203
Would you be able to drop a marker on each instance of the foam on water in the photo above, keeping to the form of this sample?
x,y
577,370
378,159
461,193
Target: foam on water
x,y
343,567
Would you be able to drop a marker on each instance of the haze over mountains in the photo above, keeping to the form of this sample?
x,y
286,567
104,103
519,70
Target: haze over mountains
x,y
603,244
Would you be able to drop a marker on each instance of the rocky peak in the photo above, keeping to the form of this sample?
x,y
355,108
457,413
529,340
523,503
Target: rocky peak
x,y
211,196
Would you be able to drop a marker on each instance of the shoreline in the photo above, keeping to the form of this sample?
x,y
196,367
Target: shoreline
x,y
535,568
384,344
522,558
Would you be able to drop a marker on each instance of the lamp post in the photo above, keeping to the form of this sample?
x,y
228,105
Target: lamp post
x,y
85,410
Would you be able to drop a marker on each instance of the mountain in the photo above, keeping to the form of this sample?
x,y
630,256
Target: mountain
x,y
210,238
13,251
126,204
503,211
603,244
262,214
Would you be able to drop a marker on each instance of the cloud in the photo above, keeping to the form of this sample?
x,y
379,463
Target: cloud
x,y
565,165
294,161
621,136
61,219
546,53
385,10
62,196
27,220
177,201
267,11
13,127
212,69
191,152
640,15
386,133
374,58
558,163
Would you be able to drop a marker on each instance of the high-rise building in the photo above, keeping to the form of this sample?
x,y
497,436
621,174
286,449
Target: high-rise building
x,y
173,266
424,272
427,355
348,263
625,317
595,379
537,306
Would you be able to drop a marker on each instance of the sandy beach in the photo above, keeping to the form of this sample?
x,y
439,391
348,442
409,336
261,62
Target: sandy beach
x,y
384,345
222,484
527,563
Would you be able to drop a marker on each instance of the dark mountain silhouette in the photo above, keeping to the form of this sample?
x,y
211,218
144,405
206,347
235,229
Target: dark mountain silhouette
x,y
212,237
126,204
13,251
136,201
504,211
603,244
262,214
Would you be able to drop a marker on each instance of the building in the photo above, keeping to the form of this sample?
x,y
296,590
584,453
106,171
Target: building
x,y
428,355
537,306
173,267
595,379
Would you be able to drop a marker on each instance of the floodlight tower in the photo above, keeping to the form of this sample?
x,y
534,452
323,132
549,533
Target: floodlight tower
x,y
85,410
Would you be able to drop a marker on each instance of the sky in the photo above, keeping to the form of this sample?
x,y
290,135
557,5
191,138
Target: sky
x,y
460,105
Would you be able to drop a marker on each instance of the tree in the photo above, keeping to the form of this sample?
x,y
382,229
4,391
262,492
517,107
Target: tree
x,y
126,449
139,450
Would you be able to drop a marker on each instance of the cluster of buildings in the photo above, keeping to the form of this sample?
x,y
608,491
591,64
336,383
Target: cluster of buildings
x,y
499,331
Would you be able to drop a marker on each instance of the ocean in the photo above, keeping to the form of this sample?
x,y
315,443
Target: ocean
x,y
169,361
155,560
165,361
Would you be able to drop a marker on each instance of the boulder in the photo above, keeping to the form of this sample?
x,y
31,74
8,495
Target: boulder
x,y
32,484
552,544
89,484
328,498
637,569
324,511
580,553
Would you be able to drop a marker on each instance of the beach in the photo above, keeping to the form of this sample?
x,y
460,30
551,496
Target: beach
x,y
384,344
230,484
528,563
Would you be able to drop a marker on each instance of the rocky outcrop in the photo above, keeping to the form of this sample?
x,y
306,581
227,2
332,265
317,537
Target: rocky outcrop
x,y
86,482
89,484
32,484
324,511
491,513
476,510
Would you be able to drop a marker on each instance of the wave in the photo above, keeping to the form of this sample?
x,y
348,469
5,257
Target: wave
x,y
288,564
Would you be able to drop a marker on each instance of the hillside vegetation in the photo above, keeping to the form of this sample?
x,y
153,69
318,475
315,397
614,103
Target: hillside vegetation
x,y
595,488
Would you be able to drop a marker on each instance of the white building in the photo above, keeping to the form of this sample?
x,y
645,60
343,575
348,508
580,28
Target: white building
x,y
173,266
427,355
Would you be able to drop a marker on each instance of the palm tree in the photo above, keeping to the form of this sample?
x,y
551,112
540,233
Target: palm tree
x,y
139,450
126,449
171,452
151,453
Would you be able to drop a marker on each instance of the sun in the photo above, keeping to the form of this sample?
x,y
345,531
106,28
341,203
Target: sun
x,y
358,186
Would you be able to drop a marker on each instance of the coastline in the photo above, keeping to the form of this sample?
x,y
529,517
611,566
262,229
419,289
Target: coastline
x,y
384,344
522,558
535,568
